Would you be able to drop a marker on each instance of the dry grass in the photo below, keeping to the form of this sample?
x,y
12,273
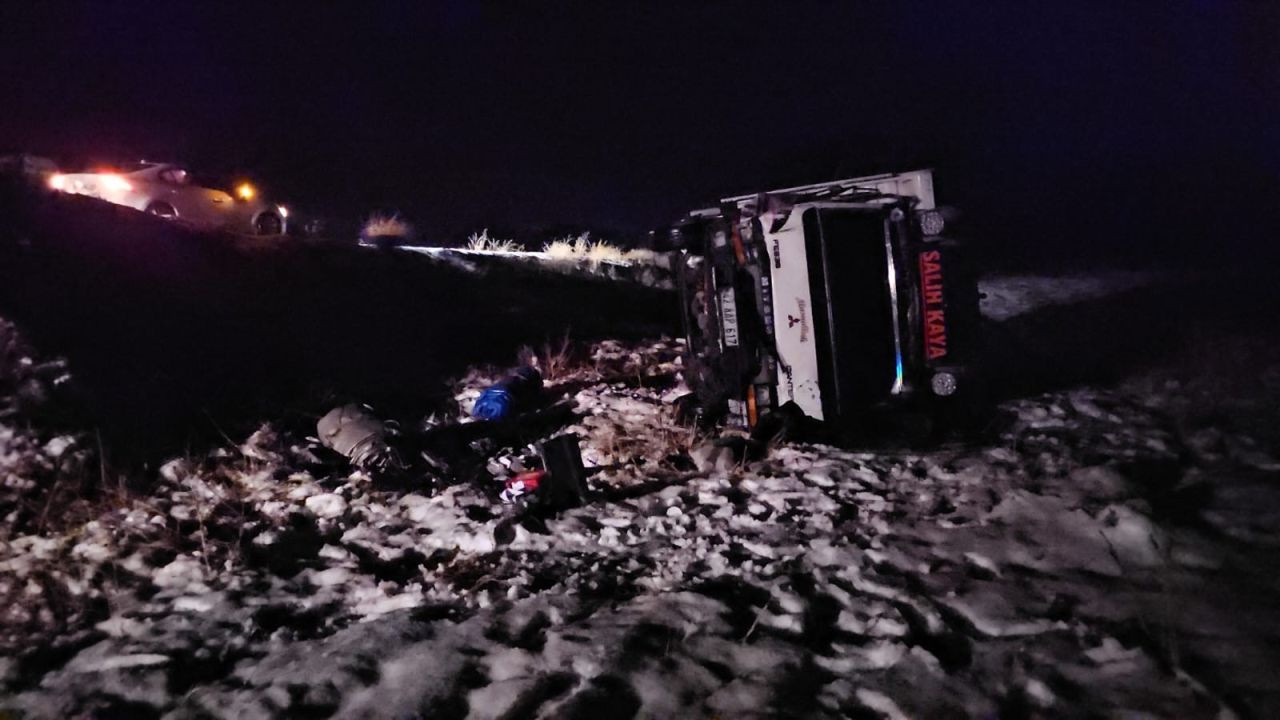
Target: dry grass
x,y
392,226
569,247
574,247
483,243
582,247
557,361
560,361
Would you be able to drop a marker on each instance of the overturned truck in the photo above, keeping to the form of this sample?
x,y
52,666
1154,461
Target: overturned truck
x,y
840,302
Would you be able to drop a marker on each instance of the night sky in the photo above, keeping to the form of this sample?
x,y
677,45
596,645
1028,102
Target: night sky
x,y
1070,132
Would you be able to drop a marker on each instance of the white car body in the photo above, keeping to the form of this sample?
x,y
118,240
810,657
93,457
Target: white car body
x,y
167,190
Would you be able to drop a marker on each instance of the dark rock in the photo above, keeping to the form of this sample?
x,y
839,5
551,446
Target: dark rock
x,y
606,696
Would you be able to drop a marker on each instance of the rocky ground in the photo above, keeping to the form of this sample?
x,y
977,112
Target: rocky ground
x,y
1107,550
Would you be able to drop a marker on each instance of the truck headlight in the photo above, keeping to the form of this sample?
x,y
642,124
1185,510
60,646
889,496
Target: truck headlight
x,y
931,222
943,384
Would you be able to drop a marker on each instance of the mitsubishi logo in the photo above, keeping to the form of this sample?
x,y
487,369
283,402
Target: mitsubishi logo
x,y
794,320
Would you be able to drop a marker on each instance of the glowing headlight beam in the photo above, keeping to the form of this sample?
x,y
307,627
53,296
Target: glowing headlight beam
x,y
245,191
115,182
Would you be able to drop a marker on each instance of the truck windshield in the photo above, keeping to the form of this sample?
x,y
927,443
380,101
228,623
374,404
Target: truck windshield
x,y
853,312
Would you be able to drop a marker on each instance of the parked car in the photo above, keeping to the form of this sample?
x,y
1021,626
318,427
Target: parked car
x,y
170,191
839,301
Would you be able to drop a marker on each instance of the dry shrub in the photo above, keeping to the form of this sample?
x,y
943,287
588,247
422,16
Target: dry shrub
x,y
582,247
387,226
568,248
556,361
483,243
559,361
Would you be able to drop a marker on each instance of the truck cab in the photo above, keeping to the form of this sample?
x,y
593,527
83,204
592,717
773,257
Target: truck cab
x,y
841,301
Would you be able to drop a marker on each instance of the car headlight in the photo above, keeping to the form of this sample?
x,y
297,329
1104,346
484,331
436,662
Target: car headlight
x,y
245,191
943,384
931,222
58,182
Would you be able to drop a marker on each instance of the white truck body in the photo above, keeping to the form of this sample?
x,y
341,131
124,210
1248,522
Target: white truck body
x,y
913,183
842,299
789,275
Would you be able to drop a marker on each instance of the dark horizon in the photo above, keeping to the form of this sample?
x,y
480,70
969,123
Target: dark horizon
x,y
1069,135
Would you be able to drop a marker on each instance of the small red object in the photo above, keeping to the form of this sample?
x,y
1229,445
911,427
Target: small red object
x,y
527,481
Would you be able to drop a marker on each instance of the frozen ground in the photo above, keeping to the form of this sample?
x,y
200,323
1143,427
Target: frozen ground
x,y
1108,550
1009,296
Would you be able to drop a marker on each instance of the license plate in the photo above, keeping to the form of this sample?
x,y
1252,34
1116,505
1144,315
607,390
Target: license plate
x,y
729,317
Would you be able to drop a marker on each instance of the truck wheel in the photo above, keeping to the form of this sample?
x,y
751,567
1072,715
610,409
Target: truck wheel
x,y
784,424
693,411
164,210
268,224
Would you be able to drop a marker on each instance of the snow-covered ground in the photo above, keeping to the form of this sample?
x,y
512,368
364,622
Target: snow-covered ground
x,y
1107,551
1008,296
